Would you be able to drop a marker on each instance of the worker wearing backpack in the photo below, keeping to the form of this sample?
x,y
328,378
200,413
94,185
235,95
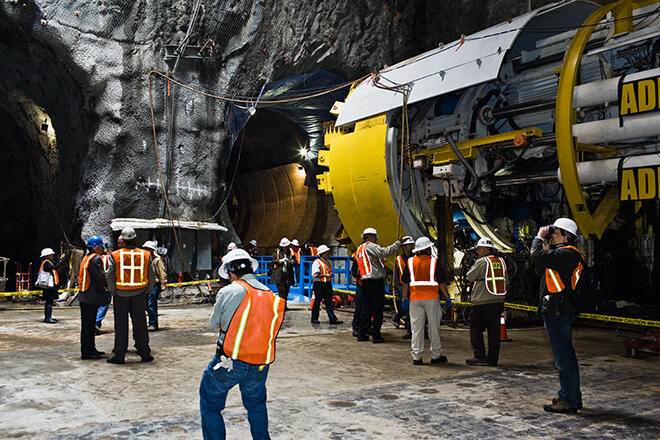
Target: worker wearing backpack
x,y
559,263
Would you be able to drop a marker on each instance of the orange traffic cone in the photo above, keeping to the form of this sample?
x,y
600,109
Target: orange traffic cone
x,y
311,303
503,336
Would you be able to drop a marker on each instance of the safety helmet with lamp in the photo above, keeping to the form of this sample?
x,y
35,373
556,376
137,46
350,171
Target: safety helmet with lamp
x,y
422,243
236,260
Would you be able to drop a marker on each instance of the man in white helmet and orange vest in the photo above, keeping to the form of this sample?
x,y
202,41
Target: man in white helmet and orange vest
x,y
322,286
130,276
370,257
248,316
559,263
425,282
488,275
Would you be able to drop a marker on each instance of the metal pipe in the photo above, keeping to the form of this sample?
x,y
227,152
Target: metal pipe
x,y
600,92
522,108
607,171
608,130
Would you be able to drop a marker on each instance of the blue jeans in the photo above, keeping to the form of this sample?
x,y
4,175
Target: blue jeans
x,y
216,383
561,342
100,314
152,305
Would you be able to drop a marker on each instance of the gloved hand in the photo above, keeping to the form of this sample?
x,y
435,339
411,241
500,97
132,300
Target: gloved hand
x,y
448,303
405,304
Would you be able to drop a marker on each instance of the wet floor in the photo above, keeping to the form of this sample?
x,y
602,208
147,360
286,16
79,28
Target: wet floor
x,y
322,385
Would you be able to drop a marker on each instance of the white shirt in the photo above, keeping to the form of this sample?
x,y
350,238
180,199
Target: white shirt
x,y
316,269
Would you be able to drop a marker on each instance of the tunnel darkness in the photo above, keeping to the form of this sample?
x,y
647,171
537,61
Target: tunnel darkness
x,y
271,194
45,136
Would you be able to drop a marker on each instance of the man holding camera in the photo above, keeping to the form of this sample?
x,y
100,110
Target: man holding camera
x,y
560,264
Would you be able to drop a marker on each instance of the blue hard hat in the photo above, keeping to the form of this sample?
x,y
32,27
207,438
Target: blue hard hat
x,y
94,241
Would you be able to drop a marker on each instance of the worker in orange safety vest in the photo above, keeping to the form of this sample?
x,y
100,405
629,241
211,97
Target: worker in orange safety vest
x,y
50,295
489,278
130,276
322,286
248,317
93,293
559,263
407,245
424,283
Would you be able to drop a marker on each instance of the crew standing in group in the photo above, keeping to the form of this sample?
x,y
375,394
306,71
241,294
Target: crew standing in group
x,y
130,277
424,283
400,262
322,286
489,278
560,263
248,317
369,257
93,293
159,284
50,295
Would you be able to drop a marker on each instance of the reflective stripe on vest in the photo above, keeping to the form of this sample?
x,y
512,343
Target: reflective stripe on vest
x,y
326,272
314,252
363,261
83,276
495,275
131,268
400,266
422,278
295,254
252,331
56,277
553,280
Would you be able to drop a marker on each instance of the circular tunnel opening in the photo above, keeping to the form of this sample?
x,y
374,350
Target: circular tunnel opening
x,y
45,125
274,192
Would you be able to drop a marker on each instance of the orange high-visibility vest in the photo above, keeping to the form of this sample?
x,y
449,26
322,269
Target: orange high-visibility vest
x,y
295,254
422,278
313,251
363,260
400,267
326,271
251,333
131,268
495,275
56,277
83,276
553,280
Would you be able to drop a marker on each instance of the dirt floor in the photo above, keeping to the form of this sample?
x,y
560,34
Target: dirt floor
x,y
323,384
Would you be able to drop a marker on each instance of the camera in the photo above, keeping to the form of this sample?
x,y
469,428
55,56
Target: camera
x,y
550,232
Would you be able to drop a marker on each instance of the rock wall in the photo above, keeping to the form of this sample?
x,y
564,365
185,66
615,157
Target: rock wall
x,y
103,50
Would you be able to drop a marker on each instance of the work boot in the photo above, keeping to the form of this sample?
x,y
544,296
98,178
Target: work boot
x,y
559,406
355,333
378,339
91,356
408,335
476,361
418,362
48,314
152,328
146,358
441,360
315,321
337,322
98,353
116,360
361,337
557,399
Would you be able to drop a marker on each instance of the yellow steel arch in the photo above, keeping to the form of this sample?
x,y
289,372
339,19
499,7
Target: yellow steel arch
x,y
358,179
590,225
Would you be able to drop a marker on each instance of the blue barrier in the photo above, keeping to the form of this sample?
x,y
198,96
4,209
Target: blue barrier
x,y
302,290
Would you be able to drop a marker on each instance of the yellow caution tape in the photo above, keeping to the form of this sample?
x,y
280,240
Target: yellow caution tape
x,y
191,283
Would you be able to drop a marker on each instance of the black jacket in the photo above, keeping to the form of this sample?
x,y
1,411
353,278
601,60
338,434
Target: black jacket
x,y
564,261
97,294
49,266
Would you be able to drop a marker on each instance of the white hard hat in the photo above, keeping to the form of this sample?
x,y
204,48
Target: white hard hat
x,y
295,242
46,252
235,255
231,246
323,248
485,242
284,242
422,243
407,240
253,242
567,225
128,233
153,245
369,231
